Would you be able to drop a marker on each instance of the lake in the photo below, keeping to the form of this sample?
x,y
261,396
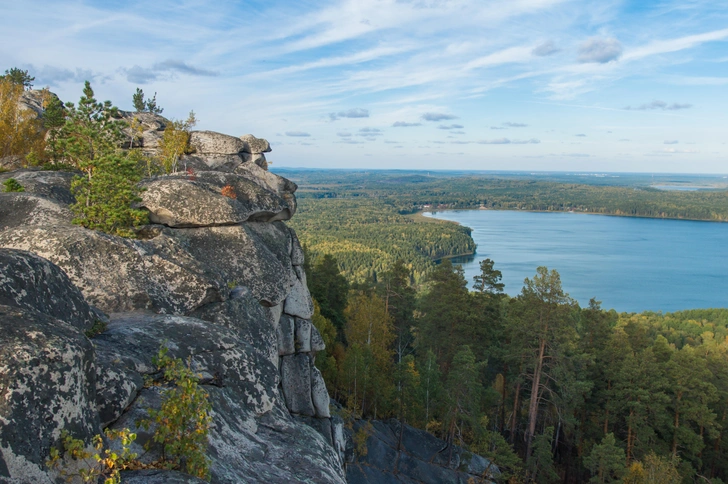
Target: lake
x,y
630,264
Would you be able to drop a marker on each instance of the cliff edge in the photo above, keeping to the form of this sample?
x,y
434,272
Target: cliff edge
x,y
217,278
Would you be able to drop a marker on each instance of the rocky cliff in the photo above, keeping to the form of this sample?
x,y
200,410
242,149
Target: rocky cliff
x,y
217,278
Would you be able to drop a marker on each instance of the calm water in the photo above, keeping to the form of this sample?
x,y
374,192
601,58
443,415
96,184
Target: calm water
x,y
630,264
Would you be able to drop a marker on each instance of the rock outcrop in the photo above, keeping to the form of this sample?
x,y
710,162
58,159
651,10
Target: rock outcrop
x,y
217,278
399,453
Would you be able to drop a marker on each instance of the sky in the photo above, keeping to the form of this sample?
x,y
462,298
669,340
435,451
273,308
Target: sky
x,y
534,85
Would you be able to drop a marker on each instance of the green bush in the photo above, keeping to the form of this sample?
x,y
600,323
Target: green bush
x,y
182,423
12,185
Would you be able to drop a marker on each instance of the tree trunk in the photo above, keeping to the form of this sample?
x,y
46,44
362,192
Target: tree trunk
x,y
533,404
514,419
629,437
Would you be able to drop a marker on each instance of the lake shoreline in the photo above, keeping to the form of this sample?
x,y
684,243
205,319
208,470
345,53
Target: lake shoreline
x,y
422,212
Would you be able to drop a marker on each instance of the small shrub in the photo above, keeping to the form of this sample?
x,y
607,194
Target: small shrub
x,y
360,439
175,142
12,185
229,191
97,328
102,463
183,421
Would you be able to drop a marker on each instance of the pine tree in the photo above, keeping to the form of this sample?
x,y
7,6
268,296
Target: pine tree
x,y
606,461
137,100
488,281
464,393
90,141
541,462
19,77
540,326
330,289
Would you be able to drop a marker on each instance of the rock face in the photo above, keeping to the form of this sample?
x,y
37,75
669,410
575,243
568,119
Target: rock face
x,y
31,282
403,454
47,384
217,279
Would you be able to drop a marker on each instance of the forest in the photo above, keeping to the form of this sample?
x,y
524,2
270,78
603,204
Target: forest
x,y
550,391
367,236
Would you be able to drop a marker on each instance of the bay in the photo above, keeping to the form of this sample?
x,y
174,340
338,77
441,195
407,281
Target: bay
x,y
630,264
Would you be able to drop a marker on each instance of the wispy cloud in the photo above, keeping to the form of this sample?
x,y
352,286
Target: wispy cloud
x,y
509,124
506,141
438,117
671,142
370,132
298,134
674,45
142,75
677,151
404,124
659,105
450,126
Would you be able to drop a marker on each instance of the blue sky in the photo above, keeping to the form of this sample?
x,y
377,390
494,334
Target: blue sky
x,y
433,84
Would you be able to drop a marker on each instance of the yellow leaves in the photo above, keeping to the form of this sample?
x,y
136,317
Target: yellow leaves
x,y
21,131
175,142
94,465
368,324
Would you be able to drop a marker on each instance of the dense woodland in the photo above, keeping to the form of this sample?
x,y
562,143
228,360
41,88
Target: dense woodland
x,y
552,392
367,236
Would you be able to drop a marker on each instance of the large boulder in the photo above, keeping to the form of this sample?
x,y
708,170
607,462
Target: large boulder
x,y
47,384
210,161
211,142
31,282
117,274
210,198
251,144
18,209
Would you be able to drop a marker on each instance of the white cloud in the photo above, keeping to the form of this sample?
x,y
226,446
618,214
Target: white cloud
x,y
674,45
600,50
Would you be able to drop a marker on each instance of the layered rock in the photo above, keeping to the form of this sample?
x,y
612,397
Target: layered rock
x,y
217,278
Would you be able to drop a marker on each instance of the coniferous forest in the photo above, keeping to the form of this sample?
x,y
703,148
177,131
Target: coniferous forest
x,y
549,390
